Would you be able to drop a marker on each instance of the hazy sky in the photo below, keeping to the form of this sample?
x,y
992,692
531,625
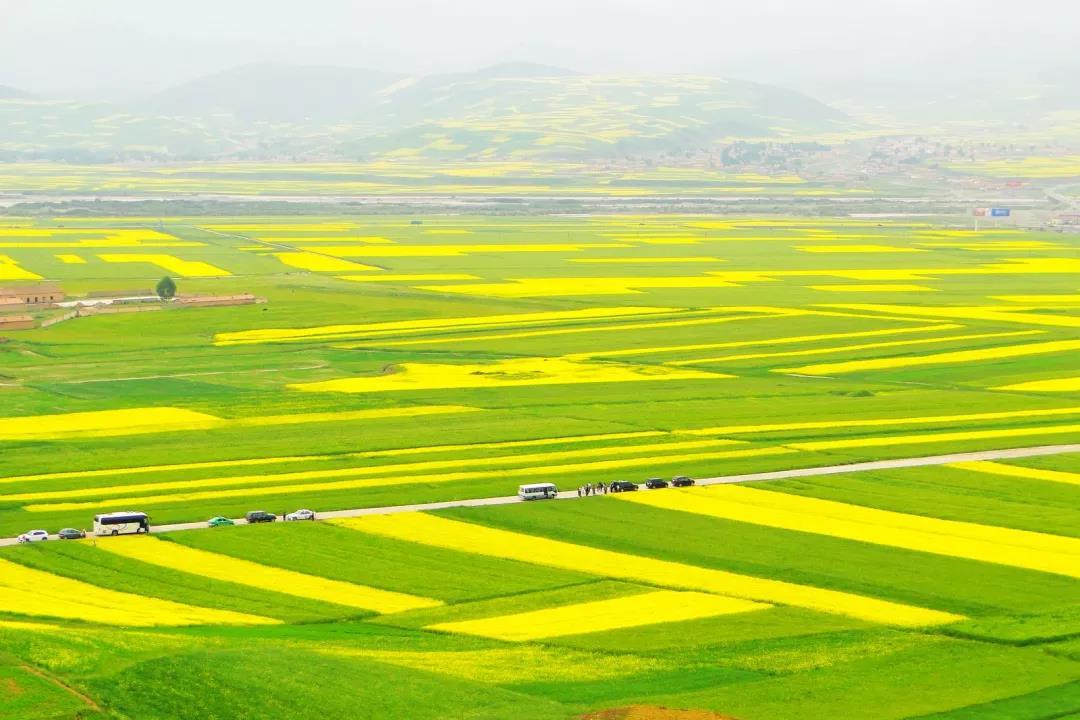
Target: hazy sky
x,y
120,47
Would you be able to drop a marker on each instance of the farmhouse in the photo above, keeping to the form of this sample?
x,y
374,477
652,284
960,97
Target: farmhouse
x,y
39,294
16,322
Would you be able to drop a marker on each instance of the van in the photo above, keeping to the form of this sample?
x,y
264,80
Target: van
x,y
538,491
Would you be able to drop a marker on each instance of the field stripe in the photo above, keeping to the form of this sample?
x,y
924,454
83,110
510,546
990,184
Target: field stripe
x,y
282,459
26,591
765,341
244,572
611,327
404,327
652,608
934,437
880,422
993,468
400,468
467,537
525,472
1003,546
105,423
852,348
948,358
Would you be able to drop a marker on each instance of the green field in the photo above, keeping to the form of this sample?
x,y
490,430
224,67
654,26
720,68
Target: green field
x,y
403,360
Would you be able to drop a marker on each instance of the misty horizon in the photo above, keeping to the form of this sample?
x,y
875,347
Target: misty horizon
x,y
120,49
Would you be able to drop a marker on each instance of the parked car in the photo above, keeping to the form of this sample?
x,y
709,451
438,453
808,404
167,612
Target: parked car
x,y
260,516
681,481
32,536
219,521
623,486
656,483
71,534
301,515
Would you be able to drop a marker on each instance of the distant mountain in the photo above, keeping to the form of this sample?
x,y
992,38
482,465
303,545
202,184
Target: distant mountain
x,y
276,93
510,111
9,93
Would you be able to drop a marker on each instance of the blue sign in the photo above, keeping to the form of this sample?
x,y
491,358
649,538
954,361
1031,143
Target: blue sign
x,y
1000,212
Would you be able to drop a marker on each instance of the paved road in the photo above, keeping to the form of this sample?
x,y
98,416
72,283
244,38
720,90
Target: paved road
x,y
1005,454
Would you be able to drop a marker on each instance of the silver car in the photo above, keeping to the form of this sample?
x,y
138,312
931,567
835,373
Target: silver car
x,y
300,515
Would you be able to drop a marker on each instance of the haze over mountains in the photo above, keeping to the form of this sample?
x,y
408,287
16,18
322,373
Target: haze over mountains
x,y
509,111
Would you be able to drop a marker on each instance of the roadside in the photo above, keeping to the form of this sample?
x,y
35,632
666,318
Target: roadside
x,y
1003,454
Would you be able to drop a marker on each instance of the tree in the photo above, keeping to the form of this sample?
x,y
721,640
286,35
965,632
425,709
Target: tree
x,y
166,288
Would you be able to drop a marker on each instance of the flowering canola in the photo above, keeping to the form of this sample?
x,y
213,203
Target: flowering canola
x,y
244,572
25,591
467,537
1003,546
650,608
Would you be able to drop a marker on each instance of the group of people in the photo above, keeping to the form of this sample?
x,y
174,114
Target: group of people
x,y
593,489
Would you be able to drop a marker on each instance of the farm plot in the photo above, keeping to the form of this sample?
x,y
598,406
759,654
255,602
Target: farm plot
x,y
406,360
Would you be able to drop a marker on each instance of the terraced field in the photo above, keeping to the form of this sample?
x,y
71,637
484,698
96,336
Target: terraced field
x,y
404,360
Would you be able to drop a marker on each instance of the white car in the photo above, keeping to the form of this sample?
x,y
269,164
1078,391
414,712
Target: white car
x,y
34,536
300,515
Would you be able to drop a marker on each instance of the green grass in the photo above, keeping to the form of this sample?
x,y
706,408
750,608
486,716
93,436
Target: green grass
x,y
1014,658
952,494
84,563
935,581
342,554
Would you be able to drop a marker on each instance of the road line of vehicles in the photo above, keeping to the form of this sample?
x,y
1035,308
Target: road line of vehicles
x,y
538,491
130,522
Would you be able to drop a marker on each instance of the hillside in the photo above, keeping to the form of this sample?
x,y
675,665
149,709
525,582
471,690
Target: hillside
x,y
511,111
9,93
276,93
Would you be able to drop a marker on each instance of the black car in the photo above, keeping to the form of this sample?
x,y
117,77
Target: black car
x,y
656,483
71,534
623,486
260,516
681,481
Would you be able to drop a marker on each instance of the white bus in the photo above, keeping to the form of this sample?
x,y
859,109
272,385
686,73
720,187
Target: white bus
x,y
538,491
121,523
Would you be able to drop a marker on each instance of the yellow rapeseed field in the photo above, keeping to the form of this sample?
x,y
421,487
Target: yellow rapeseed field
x,y
543,469
1018,471
882,422
853,348
652,324
24,591
409,277
1003,546
222,567
404,327
458,250
856,249
402,469
1068,384
282,459
947,358
320,263
103,423
790,340
651,608
1006,314
883,288
515,372
467,537
169,263
889,440
71,259
10,270
573,286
